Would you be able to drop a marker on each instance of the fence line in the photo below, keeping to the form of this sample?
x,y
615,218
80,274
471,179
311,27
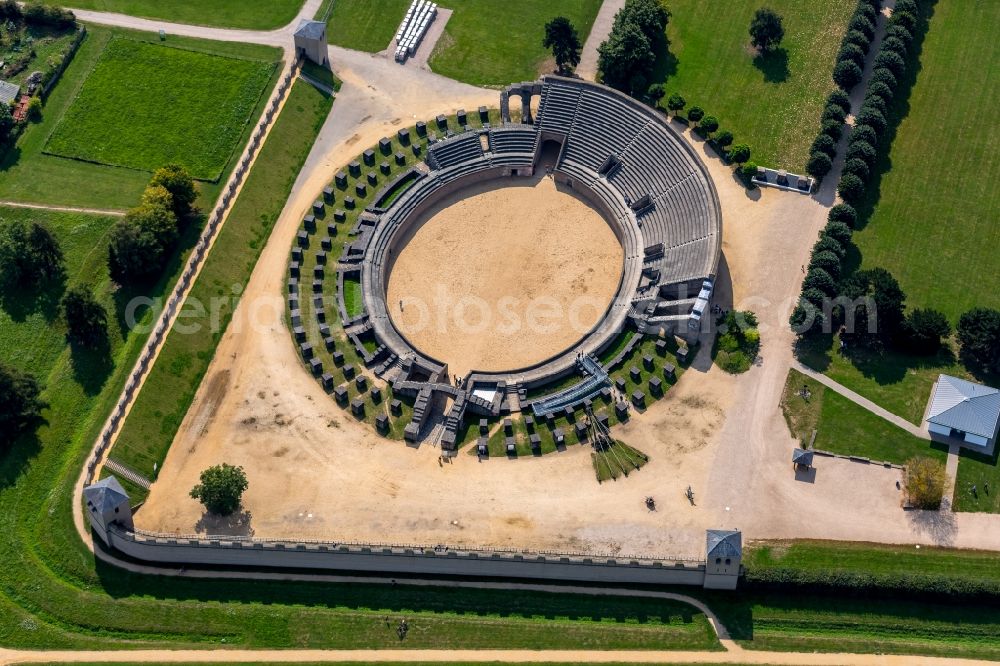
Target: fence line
x,y
194,264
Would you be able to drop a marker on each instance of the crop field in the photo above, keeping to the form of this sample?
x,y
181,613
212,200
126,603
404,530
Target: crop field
x,y
773,102
934,224
183,106
247,14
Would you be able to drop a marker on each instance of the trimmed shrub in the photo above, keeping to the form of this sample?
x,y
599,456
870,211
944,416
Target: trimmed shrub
x,y
859,38
827,261
748,170
740,153
905,19
817,278
843,213
833,112
696,113
839,231
894,44
852,52
814,296
724,139
819,164
676,103
891,61
851,188
862,150
874,102
899,32
858,167
832,129
828,243
841,99
863,25
879,89
864,133
867,10
873,118
906,6
883,75
824,144
709,124
847,74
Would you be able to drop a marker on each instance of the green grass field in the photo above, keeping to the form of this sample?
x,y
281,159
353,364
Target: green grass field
x,y
180,106
182,362
496,43
982,471
934,225
248,14
843,427
28,174
31,329
364,25
896,381
773,104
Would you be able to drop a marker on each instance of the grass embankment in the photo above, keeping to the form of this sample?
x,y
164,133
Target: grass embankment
x,y
28,174
247,14
161,405
770,102
196,105
846,428
489,43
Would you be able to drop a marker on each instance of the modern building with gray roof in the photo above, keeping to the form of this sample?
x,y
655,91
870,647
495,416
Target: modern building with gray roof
x,y
964,410
8,92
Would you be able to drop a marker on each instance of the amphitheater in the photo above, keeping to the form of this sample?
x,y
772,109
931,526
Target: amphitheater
x,y
618,156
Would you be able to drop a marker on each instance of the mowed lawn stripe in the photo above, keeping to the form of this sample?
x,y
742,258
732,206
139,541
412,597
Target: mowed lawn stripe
x,y
935,224
181,364
145,105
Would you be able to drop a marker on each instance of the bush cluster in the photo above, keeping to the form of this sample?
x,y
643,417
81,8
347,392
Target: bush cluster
x,y
931,587
738,342
707,126
847,73
141,242
36,13
626,59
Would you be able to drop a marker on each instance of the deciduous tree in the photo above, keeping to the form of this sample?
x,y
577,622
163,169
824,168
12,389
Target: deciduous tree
x,y
564,42
221,489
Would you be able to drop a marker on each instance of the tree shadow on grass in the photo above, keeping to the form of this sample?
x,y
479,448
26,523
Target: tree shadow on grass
x,y
15,456
773,65
21,302
92,365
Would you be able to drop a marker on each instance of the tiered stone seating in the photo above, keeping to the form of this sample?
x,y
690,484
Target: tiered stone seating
x,y
513,139
458,149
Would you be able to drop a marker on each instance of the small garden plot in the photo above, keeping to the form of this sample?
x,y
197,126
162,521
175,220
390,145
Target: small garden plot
x,y
25,49
145,105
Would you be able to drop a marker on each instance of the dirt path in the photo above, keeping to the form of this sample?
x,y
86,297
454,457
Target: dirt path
x,y
587,68
482,656
64,209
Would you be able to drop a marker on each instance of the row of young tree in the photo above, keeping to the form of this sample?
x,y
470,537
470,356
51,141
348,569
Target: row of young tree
x,y
31,259
871,121
707,126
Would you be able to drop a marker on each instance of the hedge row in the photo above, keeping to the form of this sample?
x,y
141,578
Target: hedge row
x,y
707,126
871,123
870,128
846,74
909,586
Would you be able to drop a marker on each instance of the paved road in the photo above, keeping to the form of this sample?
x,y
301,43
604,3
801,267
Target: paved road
x,y
587,68
282,37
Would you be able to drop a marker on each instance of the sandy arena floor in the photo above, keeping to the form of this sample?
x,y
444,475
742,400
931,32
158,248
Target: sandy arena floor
x,y
315,473
503,275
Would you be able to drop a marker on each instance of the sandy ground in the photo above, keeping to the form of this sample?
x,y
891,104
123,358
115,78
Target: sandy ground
x,y
503,275
314,472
